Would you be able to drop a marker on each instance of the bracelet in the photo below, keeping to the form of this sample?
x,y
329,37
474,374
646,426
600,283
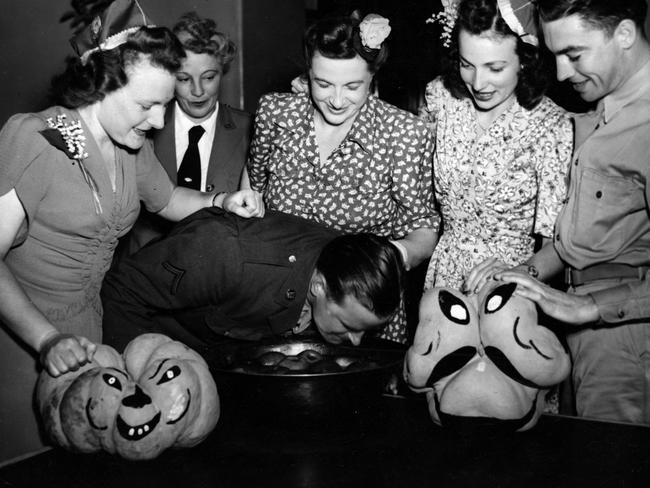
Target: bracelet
x,y
532,271
217,195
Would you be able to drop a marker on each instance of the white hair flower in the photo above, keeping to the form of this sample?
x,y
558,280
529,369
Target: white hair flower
x,y
374,30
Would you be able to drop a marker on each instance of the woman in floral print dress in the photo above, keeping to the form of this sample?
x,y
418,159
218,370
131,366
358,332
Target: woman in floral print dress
x,y
339,155
502,148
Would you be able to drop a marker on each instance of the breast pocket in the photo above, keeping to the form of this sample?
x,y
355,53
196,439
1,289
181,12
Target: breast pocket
x,y
604,210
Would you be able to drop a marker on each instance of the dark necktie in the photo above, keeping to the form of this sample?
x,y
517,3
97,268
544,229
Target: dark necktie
x,y
189,173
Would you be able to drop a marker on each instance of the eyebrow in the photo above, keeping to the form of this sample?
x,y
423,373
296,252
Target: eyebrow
x,y
490,63
568,49
350,328
118,371
316,78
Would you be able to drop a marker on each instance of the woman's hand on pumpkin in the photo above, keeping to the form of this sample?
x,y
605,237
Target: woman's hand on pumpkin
x,y
481,273
245,203
61,353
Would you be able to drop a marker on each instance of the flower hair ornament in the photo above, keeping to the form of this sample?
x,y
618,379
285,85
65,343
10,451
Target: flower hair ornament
x,y
518,14
447,19
373,31
70,138
110,29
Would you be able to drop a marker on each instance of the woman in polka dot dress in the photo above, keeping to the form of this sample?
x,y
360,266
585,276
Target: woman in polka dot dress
x,y
342,157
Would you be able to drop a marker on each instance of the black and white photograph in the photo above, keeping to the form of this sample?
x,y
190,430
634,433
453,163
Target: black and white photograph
x,y
324,243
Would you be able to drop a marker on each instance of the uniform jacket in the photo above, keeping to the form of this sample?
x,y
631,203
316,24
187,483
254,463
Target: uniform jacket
x,y
215,275
227,160
229,148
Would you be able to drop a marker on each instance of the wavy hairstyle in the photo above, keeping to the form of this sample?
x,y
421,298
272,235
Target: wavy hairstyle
x,y
601,14
366,267
339,38
200,36
480,16
106,71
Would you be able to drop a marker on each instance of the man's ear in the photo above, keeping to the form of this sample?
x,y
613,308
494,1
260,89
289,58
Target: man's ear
x,y
626,33
318,285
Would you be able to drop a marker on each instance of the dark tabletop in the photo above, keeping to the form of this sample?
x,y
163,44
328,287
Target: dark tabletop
x,y
398,447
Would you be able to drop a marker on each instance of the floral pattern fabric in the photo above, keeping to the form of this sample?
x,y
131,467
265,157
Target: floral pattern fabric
x,y
378,180
497,190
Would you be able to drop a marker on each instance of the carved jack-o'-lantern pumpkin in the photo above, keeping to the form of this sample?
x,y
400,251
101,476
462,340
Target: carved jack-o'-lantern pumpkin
x,y
483,360
160,395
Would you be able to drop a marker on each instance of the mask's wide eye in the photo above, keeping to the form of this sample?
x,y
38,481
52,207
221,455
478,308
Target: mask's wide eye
x,y
169,375
453,308
112,381
499,297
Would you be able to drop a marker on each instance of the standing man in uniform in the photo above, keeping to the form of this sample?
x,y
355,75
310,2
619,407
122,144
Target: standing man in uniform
x,y
602,236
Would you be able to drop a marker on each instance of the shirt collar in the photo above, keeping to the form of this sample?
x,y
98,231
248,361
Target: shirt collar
x,y
183,123
361,132
627,93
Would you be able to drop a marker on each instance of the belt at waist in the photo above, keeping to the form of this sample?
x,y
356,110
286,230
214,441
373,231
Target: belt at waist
x,y
576,277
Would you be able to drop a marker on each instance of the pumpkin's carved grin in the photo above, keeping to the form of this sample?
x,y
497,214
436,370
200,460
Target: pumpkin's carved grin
x,y
136,432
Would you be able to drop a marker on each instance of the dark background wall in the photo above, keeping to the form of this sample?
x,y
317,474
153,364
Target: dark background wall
x,y
34,44
272,46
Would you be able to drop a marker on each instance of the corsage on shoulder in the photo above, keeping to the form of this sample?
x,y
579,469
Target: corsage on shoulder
x,y
70,138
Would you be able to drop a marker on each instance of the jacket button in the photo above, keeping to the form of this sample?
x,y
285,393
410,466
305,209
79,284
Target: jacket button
x,y
290,294
292,259
209,188
599,194
621,314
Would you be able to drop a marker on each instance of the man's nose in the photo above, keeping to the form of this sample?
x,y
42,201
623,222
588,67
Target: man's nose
x,y
355,337
564,69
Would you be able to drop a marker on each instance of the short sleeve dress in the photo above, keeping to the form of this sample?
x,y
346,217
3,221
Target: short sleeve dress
x,y
498,190
65,247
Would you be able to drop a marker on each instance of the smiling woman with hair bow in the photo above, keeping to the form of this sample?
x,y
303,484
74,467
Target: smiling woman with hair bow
x,y
342,157
71,181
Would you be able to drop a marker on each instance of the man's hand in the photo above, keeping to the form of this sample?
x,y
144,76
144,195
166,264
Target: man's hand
x,y
572,309
481,273
245,203
61,353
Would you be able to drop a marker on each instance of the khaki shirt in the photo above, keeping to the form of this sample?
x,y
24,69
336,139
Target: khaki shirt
x,y
606,218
